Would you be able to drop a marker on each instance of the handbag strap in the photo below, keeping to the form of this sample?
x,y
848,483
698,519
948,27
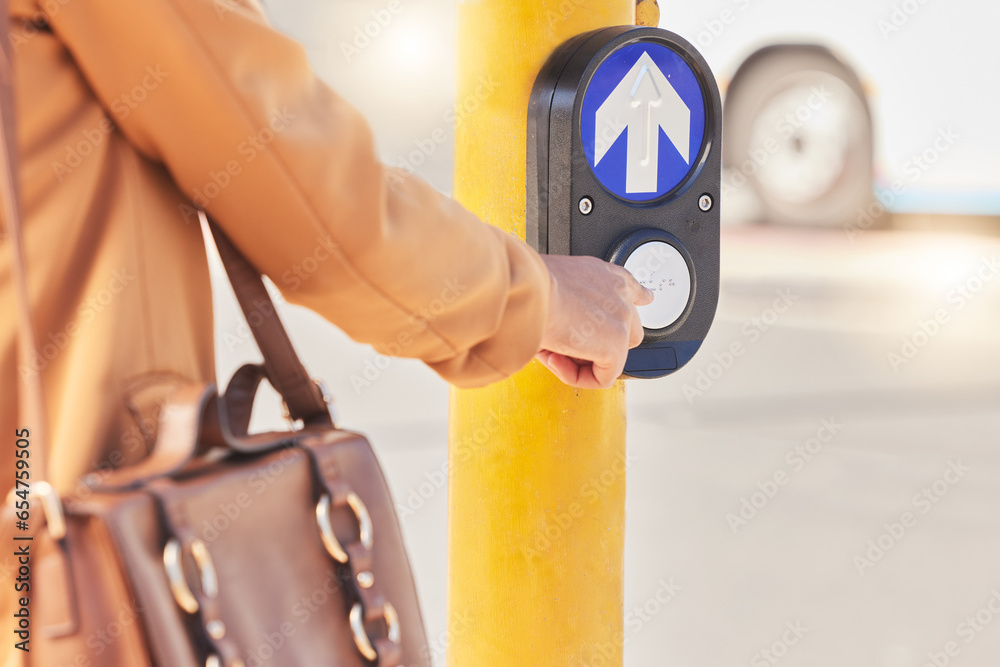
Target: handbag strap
x,y
304,399
59,617
31,405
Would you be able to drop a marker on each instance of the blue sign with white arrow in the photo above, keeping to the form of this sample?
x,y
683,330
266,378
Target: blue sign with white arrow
x,y
624,162
642,121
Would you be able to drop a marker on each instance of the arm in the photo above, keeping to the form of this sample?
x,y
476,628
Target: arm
x,y
247,131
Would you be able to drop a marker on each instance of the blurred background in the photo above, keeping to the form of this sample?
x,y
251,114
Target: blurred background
x,y
830,495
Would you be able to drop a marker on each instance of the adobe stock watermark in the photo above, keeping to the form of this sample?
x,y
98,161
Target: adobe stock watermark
x,y
785,128
597,315
778,649
225,7
610,129
913,170
87,312
137,436
417,497
24,33
304,269
242,7
421,320
795,460
424,147
636,619
248,149
302,611
231,510
928,329
260,310
291,280
898,17
370,30
120,107
752,330
565,9
99,640
716,26
922,502
560,522
967,631
437,648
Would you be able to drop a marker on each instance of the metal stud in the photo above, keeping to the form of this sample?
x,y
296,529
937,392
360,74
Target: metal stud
x,y
216,629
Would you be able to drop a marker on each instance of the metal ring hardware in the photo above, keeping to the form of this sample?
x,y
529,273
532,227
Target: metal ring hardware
x,y
392,621
175,573
361,638
206,568
327,398
365,529
326,531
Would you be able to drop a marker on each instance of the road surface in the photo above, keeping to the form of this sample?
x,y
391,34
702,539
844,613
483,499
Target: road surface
x,y
820,487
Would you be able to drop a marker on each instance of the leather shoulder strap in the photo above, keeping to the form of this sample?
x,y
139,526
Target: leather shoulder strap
x,y
304,399
31,406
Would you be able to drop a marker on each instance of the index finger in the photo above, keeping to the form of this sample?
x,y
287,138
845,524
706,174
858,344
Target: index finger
x,y
640,295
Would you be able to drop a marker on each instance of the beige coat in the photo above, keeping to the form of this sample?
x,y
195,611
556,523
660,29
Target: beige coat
x,y
133,112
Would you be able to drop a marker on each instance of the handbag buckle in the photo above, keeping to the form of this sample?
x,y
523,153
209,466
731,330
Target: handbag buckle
x,y
52,509
295,424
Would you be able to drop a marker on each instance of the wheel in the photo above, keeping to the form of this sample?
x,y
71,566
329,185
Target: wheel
x,y
797,130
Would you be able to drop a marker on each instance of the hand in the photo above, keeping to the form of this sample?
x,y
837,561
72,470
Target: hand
x,y
592,321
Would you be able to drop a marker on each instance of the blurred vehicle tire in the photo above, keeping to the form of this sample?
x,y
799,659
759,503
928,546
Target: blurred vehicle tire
x,y
798,129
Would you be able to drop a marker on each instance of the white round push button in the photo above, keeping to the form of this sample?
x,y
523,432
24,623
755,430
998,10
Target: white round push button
x,y
662,269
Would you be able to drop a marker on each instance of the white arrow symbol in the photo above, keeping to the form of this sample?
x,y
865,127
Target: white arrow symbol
x,y
643,103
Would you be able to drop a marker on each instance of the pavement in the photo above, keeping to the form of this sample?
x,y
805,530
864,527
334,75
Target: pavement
x,y
819,487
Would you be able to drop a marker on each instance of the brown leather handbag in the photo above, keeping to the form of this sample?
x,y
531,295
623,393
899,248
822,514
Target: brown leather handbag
x,y
222,548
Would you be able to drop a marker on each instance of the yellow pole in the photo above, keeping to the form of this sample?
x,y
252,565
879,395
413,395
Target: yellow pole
x,y
537,485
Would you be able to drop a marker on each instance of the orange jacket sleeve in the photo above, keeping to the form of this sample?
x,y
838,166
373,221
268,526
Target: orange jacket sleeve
x,y
235,113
